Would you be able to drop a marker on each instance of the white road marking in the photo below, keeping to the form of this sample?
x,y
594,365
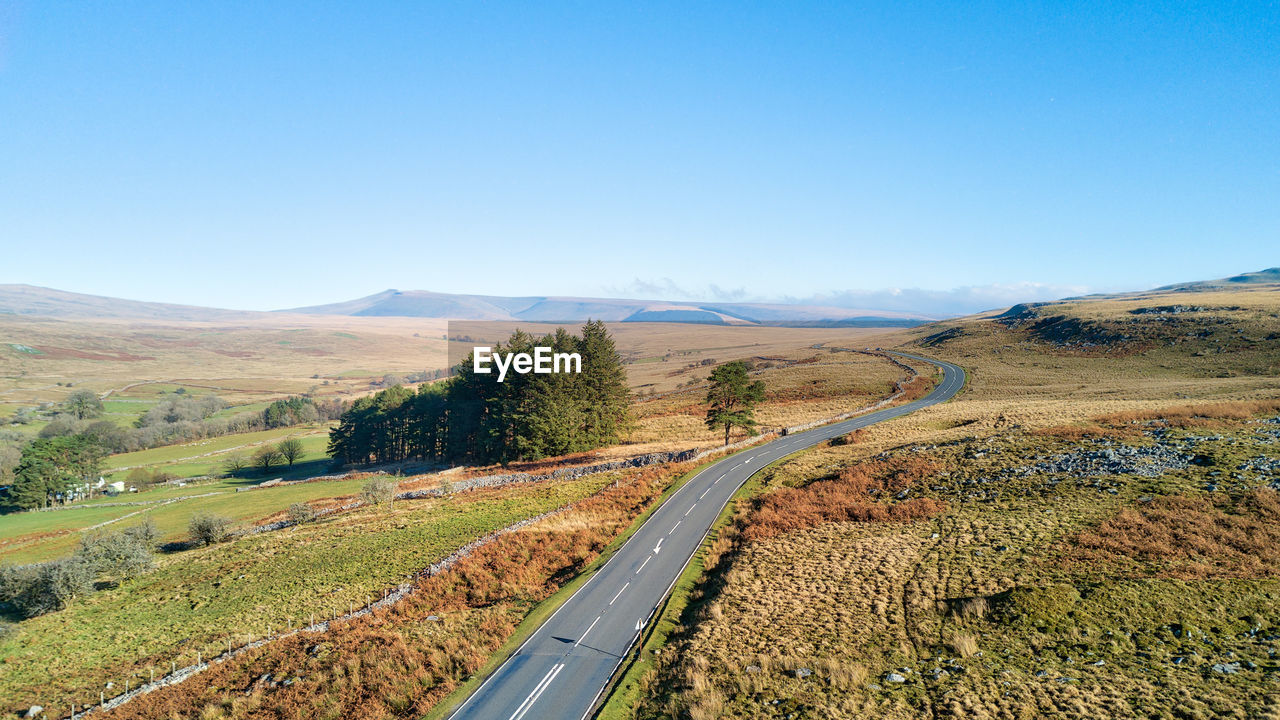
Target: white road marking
x,y
646,562
537,691
691,507
615,597
593,624
704,493
673,527
658,548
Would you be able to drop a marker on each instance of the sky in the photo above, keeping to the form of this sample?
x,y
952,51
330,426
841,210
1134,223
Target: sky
x,y
271,155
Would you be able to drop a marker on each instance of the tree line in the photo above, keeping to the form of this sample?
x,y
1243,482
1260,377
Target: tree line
x,y
472,417
67,454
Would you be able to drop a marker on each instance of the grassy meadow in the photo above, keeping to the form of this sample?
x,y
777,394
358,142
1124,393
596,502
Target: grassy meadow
x,y
198,599
1087,531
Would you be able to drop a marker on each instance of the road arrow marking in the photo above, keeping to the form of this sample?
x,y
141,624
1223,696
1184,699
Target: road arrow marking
x,y
658,548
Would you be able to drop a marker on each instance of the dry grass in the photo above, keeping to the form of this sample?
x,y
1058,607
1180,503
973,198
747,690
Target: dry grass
x,y
402,660
851,496
1025,596
1195,415
1190,538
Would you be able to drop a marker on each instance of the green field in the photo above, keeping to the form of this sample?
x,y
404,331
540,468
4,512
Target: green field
x,y
15,525
193,450
170,518
197,600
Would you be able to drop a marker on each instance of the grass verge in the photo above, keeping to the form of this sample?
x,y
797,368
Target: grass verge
x,y
544,610
621,699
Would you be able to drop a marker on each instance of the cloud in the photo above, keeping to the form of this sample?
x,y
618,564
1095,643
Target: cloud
x,y
667,289
932,303
944,303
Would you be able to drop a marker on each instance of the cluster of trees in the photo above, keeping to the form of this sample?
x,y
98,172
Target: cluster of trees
x,y
473,417
264,459
31,590
177,418
68,449
53,469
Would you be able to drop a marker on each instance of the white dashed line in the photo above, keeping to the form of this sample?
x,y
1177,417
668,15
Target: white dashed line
x,y
646,562
589,627
615,597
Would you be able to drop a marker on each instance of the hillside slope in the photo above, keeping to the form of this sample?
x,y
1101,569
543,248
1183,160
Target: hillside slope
x,y
422,303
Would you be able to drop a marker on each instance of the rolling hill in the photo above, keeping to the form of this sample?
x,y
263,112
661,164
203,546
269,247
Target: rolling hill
x,y
421,303
29,300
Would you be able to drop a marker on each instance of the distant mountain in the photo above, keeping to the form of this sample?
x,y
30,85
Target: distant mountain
x,y
421,303
1270,276
47,302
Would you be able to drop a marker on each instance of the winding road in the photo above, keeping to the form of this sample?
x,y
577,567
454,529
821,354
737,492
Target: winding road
x,y
563,669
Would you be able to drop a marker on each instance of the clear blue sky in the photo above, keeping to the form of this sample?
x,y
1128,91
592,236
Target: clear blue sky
x,y
265,155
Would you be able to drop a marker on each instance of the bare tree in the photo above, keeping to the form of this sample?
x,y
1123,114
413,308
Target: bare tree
x,y
266,458
290,449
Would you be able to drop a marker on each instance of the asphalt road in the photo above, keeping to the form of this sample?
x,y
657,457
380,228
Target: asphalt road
x,y
562,669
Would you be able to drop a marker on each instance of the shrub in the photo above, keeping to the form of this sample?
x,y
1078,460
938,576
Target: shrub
x,y
126,554
38,589
301,513
378,491
209,529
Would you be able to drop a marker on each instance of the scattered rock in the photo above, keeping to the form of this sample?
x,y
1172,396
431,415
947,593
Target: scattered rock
x,y
33,711
1230,668
894,678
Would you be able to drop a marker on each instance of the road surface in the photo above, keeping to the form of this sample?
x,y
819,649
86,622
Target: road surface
x,y
563,668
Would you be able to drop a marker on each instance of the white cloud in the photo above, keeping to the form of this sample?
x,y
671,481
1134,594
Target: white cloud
x,y
956,301
667,289
933,303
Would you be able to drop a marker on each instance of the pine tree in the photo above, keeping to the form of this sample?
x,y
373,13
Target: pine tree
x,y
474,417
606,396
732,398
52,467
